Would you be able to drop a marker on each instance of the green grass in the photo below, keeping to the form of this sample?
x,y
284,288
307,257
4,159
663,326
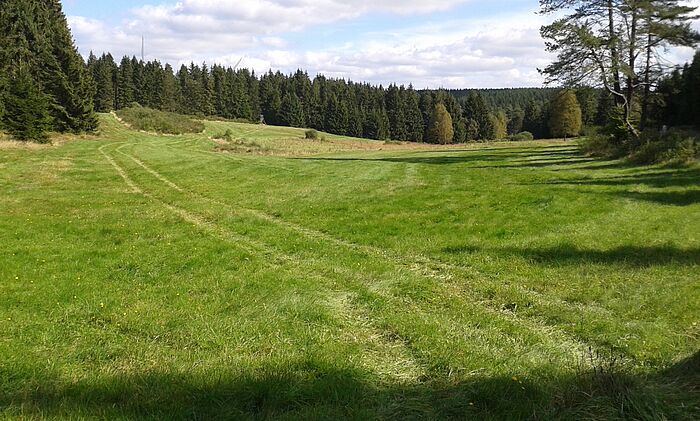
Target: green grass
x,y
147,277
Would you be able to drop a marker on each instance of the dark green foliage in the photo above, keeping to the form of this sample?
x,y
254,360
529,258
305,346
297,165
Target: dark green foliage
x,y
395,106
535,119
311,134
588,99
377,125
26,108
675,146
477,115
292,111
34,36
415,125
105,73
678,96
515,117
141,118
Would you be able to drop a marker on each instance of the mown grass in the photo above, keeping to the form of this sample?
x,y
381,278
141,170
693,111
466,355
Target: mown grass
x,y
148,277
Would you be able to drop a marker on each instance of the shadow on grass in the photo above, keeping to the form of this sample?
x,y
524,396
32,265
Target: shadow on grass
x,y
568,254
321,391
675,198
500,157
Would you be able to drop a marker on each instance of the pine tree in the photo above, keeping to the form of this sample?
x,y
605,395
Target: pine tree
x,y
441,130
565,115
26,108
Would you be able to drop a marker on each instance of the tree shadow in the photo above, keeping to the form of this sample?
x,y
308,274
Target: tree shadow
x,y
674,198
499,157
569,254
313,390
656,178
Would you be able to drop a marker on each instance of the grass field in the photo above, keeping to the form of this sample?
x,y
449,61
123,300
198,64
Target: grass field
x,y
178,277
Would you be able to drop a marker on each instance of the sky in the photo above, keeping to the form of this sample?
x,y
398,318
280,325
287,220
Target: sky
x,y
429,43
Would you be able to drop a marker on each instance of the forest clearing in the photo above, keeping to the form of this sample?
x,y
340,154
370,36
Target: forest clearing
x,y
169,277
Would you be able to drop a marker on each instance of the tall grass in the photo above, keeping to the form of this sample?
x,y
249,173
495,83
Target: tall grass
x,y
150,120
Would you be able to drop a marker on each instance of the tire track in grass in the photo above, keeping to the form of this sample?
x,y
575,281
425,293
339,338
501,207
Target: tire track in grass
x,y
392,350
120,171
421,266
426,265
390,341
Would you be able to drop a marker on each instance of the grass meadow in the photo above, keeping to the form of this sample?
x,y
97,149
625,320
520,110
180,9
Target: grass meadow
x,y
273,277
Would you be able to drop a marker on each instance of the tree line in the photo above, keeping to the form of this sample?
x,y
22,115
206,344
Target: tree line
x,y
44,84
332,105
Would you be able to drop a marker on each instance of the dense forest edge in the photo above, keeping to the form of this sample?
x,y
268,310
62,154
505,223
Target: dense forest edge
x,y
46,86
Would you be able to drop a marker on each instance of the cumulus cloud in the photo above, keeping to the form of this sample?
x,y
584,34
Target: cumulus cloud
x,y
463,52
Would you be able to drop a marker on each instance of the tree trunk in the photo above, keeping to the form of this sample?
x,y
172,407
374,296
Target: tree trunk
x,y
631,73
614,53
647,79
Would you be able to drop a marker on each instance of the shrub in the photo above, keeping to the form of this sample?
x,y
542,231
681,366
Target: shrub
x,y
676,146
521,137
227,135
147,119
311,134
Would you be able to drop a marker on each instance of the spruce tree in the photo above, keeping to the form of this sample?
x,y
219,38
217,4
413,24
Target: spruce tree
x,y
292,111
34,34
395,111
414,118
26,108
125,84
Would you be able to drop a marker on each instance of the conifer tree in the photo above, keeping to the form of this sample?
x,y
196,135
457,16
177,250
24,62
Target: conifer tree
x,y
169,95
395,111
26,108
441,130
475,110
565,115
125,83
499,123
414,118
291,111
35,36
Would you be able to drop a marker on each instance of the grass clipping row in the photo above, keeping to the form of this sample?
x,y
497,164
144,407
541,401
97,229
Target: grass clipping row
x,y
150,120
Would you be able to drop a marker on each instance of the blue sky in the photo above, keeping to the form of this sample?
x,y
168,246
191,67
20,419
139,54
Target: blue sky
x,y
435,43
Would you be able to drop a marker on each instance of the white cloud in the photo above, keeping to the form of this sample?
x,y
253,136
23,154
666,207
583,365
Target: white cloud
x,y
499,52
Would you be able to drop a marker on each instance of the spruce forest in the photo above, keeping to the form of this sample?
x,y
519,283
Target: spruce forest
x,y
190,240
